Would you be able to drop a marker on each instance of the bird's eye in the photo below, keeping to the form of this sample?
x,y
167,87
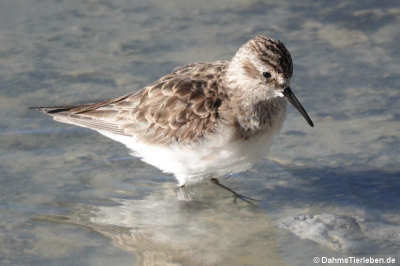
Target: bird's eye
x,y
267,75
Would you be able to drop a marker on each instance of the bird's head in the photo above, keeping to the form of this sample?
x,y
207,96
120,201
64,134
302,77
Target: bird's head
x,y
261,70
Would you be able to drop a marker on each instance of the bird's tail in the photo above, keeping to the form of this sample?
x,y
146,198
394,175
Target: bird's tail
x,y
52,109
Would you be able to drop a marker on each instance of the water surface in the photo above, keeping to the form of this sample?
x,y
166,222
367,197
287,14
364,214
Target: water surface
x,y
69,196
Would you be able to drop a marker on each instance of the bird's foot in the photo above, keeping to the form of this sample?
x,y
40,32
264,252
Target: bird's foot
x,y
182,194
236,195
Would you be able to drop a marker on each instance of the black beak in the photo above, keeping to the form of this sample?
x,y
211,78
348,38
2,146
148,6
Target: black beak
x,y
293,100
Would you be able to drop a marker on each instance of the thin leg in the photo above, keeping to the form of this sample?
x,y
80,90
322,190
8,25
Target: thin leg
x,y
181,194
235,194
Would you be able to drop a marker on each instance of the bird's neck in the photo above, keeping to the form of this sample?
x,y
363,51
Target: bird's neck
x,y
261,115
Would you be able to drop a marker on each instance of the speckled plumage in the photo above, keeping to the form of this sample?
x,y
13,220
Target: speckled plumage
x,y
179,107
203,119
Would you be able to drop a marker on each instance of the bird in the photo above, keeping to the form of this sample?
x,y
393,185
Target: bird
x,y
204,120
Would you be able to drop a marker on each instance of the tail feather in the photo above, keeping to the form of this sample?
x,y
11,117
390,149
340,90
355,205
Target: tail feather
x,y
53,109
87,115
80,116
77,109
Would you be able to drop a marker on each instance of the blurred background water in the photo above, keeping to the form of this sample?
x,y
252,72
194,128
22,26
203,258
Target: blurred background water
x,y
69,196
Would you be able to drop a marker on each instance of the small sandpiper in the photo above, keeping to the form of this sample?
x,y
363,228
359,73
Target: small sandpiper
x,y
204,120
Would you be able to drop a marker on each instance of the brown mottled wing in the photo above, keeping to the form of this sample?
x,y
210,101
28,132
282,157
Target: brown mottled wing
x,y
182,106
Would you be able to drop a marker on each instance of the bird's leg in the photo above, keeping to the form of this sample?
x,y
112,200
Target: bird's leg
x,y
181,194
235,194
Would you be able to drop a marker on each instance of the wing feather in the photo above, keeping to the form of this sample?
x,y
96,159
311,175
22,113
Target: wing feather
x,y
182,106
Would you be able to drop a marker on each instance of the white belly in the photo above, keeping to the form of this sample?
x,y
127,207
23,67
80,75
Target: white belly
x,y
215,156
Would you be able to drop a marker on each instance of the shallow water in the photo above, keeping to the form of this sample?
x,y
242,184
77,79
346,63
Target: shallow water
x,y
69,196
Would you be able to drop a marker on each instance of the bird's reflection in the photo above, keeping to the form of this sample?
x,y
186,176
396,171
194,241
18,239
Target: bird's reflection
x,y
161,230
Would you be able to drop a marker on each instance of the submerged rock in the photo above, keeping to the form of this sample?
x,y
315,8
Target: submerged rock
x,y
338,232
